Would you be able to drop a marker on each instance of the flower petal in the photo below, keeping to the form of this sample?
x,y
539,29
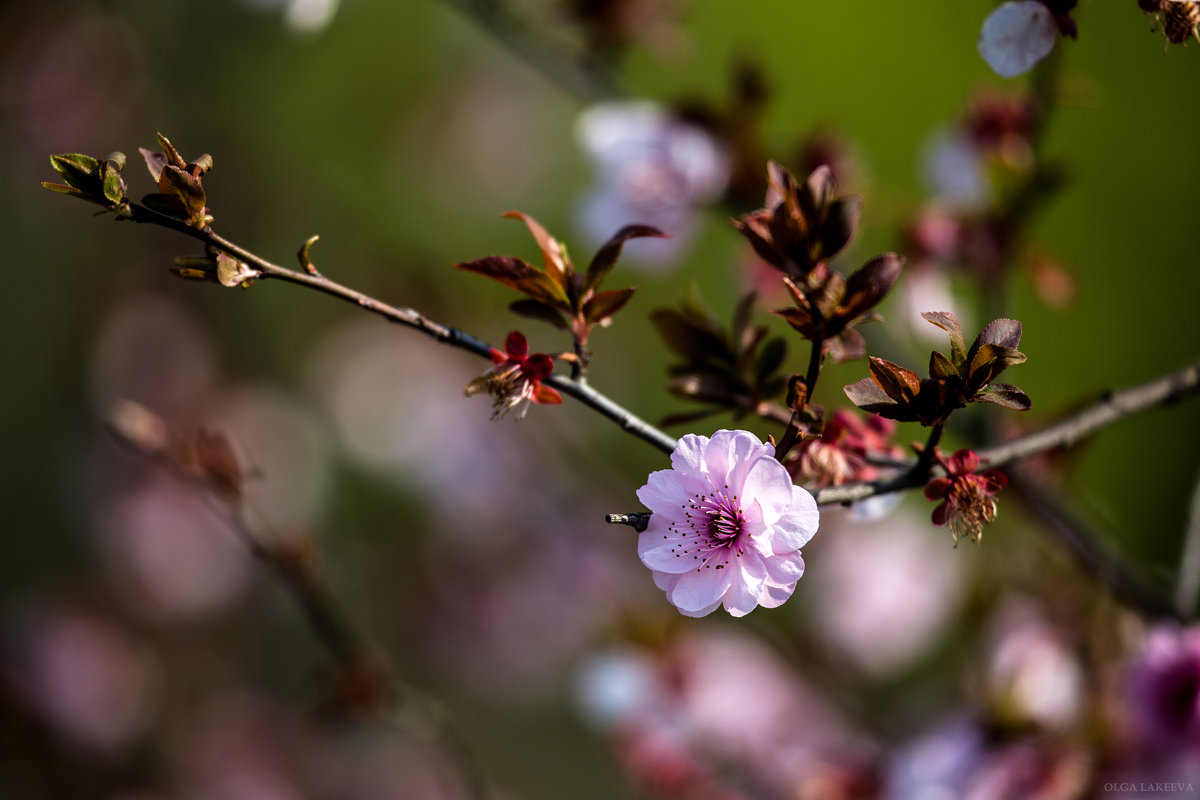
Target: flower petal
x,y
688,456
668,553
700,591
797,524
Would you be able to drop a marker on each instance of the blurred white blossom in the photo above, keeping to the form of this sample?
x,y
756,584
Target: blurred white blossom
x,y
1016,36
651,168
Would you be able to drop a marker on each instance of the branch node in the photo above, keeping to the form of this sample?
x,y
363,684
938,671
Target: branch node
x,y
638,520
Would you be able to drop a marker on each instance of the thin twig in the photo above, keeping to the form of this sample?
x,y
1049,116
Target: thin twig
x,y
1187,584
579,389
580,75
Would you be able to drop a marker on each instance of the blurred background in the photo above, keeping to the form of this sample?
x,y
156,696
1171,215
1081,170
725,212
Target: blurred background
x,y
147,655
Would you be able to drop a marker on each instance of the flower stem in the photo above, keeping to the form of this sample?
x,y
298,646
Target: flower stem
x,y
792,435
925,460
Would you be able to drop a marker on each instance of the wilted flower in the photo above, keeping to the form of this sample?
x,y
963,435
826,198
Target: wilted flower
x,y
967,503
841,453
727,527
516,379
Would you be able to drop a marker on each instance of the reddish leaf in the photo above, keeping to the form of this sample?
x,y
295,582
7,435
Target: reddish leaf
x,y
171,154
603,305
155,162
866,287
948,322
1006,395
606,257
516,274
536,309
688,336
841,223
867,395
798,318
552,249
941,367
849,345
1005,332
897,382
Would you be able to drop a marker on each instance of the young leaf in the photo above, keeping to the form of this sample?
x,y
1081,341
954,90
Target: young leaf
x,y
516,274
536,309
603,305
606,258
948,322
552,250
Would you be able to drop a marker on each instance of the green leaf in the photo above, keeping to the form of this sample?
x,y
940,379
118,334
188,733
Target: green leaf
x,y
606,257
62,188
114,187
78,170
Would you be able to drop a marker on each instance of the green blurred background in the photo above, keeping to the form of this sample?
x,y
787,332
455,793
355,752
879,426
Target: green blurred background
x,y
400,132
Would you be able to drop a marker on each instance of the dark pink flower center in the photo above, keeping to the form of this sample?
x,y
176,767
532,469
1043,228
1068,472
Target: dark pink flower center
x,y
712,522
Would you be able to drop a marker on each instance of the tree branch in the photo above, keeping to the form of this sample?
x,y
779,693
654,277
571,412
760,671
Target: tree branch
x,y
579,389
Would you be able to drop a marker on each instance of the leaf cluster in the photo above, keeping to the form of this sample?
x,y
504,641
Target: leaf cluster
x,y
966,376
92,180
558,293
727,370
180,186
803,224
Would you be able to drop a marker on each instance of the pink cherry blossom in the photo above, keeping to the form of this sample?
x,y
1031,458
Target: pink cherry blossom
x,y
727,527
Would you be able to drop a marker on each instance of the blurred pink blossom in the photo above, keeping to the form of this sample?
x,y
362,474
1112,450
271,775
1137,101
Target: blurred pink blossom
x,y
1032,675
727,527
169,552
92,681
716,714
651,168
1164,690
885,592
